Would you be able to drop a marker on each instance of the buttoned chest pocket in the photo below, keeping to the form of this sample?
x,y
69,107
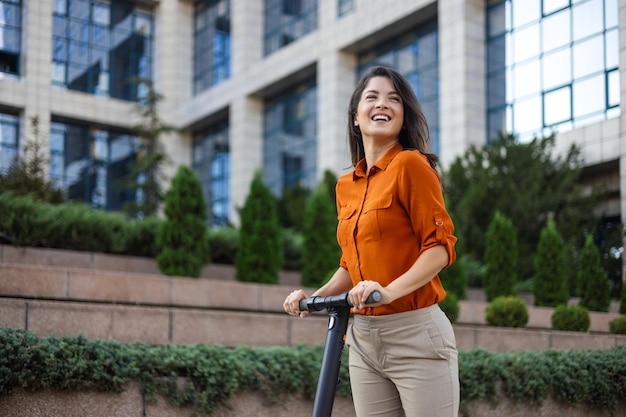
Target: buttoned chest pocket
x,y
374,213
345,226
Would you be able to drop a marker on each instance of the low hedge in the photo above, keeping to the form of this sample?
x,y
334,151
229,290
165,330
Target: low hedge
x,y
214,374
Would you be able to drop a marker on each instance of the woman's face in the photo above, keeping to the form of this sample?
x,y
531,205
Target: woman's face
x,y
380,113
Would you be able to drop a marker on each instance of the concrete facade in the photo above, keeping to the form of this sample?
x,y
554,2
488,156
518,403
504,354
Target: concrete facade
x,y
328,54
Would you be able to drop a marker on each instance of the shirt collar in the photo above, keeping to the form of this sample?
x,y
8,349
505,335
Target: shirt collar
x,y
381,164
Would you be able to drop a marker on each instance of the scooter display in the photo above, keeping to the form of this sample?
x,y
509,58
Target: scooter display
x,y
338,307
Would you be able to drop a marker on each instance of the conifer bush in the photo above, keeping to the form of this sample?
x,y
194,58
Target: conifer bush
x,y
618,325
507,311
450,306
455,279
321,250
259,256
550,287
500,257
183,235
595,291
622,302
572,318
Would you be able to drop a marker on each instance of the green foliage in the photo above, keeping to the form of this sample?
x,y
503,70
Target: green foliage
x,y
26,174
183,235
259,256
550,286
595,292
291,207
146,171
223,242
618,325
507,311
321,251
293,244
526,183
573,318
450,306
141,236
214,374
330,179
455,279
501,257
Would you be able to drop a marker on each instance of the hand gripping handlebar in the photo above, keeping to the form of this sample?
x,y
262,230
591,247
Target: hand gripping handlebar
x,y
317,303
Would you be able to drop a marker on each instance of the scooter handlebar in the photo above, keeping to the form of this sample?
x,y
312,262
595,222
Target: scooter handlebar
x,y
317,303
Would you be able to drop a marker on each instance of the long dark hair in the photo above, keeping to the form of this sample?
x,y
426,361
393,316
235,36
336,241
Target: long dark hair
x,y
414,133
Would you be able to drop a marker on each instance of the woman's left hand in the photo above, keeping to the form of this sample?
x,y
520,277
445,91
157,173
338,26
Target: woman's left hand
x,y
359,293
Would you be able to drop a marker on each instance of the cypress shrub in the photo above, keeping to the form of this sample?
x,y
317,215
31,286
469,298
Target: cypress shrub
x,y
183,235
507,311
550,286
259,256
622,302
141,237
618,325
321,251
595,291
293,243
574,318
500,257
455,279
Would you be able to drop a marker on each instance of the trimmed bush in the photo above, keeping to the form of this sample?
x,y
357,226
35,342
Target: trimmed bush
x,y
595,291
450,306
618,325
321,252
573,318
550,286
500,257
454,278
259,256
223,243
507,311
183,235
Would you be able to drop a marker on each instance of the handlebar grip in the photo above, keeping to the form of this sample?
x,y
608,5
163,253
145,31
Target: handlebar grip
x,y
317,303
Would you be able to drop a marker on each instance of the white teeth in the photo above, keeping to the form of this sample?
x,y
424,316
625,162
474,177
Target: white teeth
x,y
380,117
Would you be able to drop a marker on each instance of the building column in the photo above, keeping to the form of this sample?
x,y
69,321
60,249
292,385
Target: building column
x,y
336,79
462,69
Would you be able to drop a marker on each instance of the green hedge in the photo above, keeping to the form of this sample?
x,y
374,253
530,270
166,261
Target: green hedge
x,y
215,374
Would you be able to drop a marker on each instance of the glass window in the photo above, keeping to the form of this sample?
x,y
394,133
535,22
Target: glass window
x,y
415,55
211,161
557,106
288,20
88,162
344,7
212,44
9,128
290,139
10,36
102,47
579,52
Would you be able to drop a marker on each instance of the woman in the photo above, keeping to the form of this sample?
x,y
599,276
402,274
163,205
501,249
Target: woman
x,y
396,236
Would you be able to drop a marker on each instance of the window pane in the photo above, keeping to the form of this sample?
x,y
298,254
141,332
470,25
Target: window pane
x,y
612,49
527,116
525,11
588,57
556,30
550,6
589,96
526,43
526,79
557,106
610,13
588,19
557,69
613,88
497,19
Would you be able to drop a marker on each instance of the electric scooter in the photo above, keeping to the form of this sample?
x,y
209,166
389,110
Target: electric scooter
x,y
338,307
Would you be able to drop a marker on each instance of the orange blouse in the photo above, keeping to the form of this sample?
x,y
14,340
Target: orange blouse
x,y
388,219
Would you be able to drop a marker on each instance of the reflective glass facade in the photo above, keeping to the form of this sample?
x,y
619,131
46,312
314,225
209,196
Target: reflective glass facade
x,y
287,21
552,65
10,36
416,56
102,47
290,139
211,58
9,129
344,7
87,162
211,161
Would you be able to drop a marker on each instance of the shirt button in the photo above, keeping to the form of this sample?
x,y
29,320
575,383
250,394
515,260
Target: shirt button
x,y
356,266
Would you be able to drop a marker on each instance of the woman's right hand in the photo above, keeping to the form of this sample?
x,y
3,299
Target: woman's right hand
x,y
291,304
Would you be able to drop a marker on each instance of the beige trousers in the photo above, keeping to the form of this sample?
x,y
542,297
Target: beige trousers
x,y
404,364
